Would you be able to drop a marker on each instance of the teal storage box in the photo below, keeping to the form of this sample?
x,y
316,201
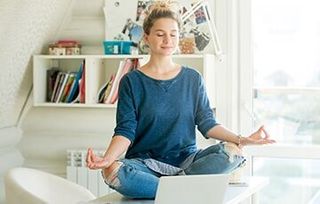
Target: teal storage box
x,y
117,47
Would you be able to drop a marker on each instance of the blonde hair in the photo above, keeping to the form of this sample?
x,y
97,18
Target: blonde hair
x,y
160,9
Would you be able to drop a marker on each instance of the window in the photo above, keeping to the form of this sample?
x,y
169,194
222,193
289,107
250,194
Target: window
x,y
293,181
286,87
286,47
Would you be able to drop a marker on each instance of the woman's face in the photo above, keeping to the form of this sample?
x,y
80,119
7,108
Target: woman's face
x,y
163,37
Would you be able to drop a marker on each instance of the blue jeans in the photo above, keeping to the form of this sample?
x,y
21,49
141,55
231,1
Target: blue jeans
x,y
136,180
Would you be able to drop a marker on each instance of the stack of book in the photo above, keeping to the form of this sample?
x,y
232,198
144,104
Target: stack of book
x,y
108,93
66,87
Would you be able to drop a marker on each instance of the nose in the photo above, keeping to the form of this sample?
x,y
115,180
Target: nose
x,y
167,39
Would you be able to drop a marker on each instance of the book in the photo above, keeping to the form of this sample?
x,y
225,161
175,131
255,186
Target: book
x,y
108,89
82,87
62,87
67,87
74,82
103,90
51,78
56,86
75,92
75,86
126,68
115,82
76,99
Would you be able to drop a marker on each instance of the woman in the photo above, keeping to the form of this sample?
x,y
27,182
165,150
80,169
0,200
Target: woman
x,y
159,106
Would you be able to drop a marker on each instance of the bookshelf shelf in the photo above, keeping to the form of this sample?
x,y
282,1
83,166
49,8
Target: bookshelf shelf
x,y
98,70
76,105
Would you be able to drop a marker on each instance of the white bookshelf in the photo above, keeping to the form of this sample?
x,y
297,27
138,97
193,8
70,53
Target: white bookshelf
x,y
99,69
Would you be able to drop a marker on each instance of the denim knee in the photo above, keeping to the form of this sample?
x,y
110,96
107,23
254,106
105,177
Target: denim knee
x,y
112,179
123,175
135,183
219,158
234,153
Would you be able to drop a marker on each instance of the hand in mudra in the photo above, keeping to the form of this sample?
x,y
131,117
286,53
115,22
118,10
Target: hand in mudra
x,y
259,137
94,161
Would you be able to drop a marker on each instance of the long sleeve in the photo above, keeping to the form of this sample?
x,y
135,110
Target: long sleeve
x,y
126,114
205,118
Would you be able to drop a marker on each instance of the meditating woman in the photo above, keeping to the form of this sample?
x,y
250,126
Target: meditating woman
x,y
160,106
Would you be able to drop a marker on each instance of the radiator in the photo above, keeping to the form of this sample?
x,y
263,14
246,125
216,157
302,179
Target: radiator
x,y
77,172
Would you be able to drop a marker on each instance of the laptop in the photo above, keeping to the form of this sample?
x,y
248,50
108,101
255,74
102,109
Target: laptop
x,y
192,189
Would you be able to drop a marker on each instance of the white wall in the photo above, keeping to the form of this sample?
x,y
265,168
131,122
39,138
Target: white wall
x,y
48,131
24,27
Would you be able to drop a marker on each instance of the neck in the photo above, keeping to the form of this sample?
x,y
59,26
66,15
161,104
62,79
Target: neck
x,y
161,63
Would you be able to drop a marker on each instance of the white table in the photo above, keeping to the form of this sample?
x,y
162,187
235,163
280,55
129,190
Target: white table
x,y
234,194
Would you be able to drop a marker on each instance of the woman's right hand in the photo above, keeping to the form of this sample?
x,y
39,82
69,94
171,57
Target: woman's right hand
x,y
96,162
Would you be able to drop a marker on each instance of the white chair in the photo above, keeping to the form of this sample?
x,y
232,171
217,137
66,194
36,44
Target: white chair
x,y
30,186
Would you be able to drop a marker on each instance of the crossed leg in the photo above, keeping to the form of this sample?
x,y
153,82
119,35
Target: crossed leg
x,y
132,178
216,159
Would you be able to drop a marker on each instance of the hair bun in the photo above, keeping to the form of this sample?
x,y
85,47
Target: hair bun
x,y
161,9
163,5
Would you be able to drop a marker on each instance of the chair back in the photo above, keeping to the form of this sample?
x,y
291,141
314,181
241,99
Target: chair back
x,y
31,186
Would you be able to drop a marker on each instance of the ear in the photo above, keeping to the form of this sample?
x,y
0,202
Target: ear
x,y
145,39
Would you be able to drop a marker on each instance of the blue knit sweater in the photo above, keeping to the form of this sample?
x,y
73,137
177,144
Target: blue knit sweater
x,y
159,117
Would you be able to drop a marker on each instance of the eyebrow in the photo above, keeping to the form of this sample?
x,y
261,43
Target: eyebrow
x,y
164,31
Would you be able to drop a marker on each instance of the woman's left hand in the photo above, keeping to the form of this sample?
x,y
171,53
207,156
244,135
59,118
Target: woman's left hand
x,y
261,136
